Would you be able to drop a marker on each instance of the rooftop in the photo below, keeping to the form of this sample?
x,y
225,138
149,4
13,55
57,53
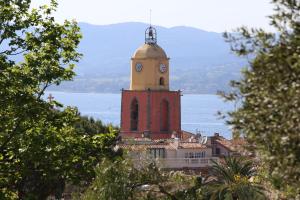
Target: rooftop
x,y
152,51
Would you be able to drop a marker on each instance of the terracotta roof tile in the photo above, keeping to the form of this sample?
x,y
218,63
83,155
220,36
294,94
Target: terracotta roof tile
x,y
191,145
186,135
140,147
160,144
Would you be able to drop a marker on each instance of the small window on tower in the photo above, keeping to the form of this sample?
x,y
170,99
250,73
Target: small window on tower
x,y
161,81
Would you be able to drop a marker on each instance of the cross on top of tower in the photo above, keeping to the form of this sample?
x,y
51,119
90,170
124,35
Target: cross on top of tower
x,y
50,98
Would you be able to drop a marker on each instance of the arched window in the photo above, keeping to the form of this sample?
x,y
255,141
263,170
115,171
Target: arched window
x,y
164,115
134,115
161,81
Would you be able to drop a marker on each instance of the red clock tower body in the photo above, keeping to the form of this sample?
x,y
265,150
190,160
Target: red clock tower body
x,y
149,108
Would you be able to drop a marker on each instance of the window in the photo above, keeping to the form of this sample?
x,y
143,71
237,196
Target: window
x,y
200,154
195,154
164,116
161,81
218,151
134,115
157,152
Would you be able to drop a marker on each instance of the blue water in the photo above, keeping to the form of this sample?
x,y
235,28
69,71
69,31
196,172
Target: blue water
x,y
198,112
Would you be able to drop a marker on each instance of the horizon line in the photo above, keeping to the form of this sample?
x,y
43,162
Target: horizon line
x,y
161,26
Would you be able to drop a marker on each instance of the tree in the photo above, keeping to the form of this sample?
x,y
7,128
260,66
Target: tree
x,y
269,94
40,149
88,125
232,180
122,179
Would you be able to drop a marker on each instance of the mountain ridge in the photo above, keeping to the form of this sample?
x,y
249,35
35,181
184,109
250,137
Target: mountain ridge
x,y
201,62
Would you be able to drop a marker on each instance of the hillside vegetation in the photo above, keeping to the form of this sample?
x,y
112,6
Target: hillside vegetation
x,y
201,61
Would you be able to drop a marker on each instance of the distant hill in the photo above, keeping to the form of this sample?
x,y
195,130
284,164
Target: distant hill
x,y
201,62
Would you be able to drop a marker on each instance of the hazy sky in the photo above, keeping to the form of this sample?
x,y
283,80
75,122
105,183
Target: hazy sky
x,y
210,15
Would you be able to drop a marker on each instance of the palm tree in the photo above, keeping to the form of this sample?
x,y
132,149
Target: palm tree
x,y
232,179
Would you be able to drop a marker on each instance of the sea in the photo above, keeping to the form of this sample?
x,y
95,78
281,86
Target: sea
x,y
198,111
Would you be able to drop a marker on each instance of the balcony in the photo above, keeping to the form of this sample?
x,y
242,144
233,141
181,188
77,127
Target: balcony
x,y
177,163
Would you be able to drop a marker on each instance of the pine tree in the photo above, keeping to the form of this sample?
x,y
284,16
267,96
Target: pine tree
x,y
269,94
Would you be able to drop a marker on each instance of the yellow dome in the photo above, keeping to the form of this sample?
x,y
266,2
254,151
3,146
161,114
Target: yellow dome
x,y
149,51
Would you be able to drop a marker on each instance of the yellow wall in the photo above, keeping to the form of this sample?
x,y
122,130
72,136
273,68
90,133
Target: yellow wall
x,y
150,74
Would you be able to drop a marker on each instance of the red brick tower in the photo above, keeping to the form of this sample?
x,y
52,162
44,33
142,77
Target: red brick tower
x,y
149,108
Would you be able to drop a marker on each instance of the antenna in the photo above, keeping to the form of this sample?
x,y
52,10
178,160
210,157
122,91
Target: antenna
x,y
150,16
150,33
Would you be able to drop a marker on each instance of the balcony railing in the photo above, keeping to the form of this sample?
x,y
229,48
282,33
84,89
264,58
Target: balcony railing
x,y
184,162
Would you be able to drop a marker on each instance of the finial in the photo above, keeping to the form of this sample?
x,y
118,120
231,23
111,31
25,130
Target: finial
x,y
50,98
150,16
150,33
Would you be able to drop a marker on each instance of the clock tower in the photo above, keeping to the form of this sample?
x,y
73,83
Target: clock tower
x,y
149,108
149,65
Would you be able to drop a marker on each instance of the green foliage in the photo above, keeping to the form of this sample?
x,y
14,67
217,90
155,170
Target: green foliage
x,y
269,95
235,178
40,149
88,125
121,179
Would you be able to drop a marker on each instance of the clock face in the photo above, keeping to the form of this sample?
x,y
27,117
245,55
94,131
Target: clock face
x,y
162,68
138,67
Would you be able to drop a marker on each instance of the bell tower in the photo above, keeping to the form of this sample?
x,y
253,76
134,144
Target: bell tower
x,y
149,108
149,65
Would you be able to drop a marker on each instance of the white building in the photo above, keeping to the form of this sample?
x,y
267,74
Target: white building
x,y
190,152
